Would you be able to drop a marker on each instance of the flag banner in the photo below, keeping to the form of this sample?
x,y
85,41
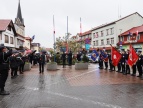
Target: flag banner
x,y
87,46
94,55
133,57
103,54
115,56
33,37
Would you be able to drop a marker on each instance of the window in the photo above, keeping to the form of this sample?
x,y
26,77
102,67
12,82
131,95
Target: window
x,y
6,39
11,40
138,37
121,38
96,43
93,43
102,42
102,34
112,31
107,31
128,38
96,34
112,40
108,41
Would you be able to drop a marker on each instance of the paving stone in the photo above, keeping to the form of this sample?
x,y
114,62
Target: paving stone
x,y
70,88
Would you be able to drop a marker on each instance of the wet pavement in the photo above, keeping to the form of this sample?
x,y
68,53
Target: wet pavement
x,y
70,88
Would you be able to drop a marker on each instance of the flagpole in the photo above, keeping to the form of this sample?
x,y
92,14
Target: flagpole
x,y
54,36
67,34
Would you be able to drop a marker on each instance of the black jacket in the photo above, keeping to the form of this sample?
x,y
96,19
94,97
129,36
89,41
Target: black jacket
x,y
140,60
4,59
41,59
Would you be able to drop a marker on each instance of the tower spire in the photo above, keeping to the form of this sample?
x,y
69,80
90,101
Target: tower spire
x,y
19,14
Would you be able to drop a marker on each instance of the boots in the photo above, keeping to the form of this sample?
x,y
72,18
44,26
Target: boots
x,y
3,92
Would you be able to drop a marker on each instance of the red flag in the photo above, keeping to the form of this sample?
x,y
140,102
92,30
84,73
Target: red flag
x,y
115,55
133,57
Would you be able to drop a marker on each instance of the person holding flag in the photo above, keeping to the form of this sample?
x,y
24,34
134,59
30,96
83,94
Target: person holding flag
x,y
115,56
127,65
94,55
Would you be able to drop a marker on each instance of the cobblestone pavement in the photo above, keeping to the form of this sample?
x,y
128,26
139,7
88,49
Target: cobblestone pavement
x,y
70,88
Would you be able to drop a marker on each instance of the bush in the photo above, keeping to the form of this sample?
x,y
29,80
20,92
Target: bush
x,y
85,58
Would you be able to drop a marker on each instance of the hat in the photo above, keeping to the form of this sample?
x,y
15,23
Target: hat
x,y
2,46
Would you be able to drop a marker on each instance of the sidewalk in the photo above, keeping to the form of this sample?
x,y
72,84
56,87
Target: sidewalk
x,y
70,88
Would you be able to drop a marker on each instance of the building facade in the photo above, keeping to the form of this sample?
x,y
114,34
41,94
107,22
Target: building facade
x,y
104,35
7,33
133,36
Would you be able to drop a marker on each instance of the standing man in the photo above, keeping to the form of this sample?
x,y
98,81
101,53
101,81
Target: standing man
x,y
123,62
127,65
139,64
41,60
4,68
119,65
70,58
63,58
106,61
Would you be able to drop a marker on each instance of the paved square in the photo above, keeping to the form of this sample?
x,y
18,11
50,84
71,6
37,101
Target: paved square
x,y
70,88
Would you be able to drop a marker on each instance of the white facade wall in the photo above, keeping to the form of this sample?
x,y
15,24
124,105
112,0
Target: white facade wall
x,y
128,23
27,44
9,34
119,27
18,44
104,37
35,48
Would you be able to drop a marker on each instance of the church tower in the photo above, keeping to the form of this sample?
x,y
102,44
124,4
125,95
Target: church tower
x,y
19,22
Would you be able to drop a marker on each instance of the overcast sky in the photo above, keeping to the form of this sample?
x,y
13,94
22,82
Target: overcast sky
x,y
38,15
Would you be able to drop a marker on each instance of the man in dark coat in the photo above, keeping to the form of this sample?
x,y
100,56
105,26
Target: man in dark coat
x,y
70,58
139,64
123,62
4,68
63,59
13,65
41,61
79,56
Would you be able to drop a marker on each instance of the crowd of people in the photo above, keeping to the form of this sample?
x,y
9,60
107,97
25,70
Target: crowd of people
x,y
15,61
123,66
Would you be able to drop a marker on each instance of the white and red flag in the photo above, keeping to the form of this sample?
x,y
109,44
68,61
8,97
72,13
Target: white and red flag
x,y
115,56
133,57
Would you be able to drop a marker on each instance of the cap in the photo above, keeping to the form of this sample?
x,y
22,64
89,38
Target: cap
x,y
139,51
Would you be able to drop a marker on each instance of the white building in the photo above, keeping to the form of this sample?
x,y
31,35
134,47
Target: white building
x,y
7,33
104,35
27,43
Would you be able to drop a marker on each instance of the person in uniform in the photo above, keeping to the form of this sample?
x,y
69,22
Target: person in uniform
x,y
106,61
119,66
70,58
100,62
78,56
13,65
127,65
139,64
4,68
63,58
134,69
41,61
123,62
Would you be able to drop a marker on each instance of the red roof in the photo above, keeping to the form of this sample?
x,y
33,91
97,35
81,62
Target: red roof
x,y
28,38
4,24
85,33
133,30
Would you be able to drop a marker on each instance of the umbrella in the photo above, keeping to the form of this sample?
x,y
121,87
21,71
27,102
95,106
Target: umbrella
x,y
28,51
